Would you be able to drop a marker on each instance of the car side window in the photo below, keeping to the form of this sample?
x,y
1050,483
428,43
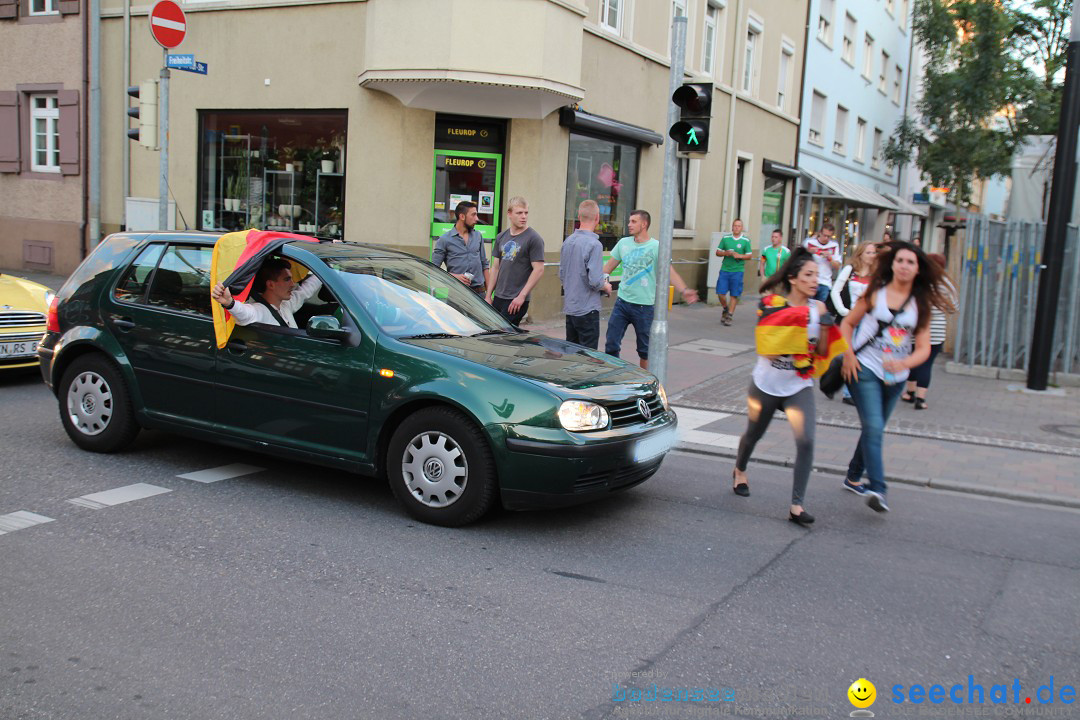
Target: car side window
x,y
182,280
322,303
132,288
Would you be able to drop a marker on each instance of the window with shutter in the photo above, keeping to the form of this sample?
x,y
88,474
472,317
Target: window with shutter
x,y
9,131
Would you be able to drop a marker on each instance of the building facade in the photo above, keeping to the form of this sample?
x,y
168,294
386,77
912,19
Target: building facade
x,y
43,84
856,90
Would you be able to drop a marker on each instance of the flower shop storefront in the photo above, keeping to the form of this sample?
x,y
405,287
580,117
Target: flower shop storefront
x,y
272,170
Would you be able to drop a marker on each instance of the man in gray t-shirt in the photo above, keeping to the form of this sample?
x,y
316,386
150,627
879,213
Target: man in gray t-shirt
x,y
517,261
581,270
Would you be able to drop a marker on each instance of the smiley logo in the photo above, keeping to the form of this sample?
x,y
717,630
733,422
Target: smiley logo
x,y
862,693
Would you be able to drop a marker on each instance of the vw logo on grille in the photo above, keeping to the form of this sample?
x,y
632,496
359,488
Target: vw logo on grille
x,y
643,408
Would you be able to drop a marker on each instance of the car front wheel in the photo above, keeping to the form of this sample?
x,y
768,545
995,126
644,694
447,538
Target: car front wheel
x,y
95,407
441,468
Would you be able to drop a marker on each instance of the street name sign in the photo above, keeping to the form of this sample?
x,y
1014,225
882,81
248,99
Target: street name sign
x,y
180,62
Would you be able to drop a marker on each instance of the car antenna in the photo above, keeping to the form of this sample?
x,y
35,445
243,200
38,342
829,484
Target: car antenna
x,y
177,204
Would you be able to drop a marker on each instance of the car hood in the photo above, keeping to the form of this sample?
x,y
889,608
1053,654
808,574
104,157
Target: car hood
x,y
22,294
549,361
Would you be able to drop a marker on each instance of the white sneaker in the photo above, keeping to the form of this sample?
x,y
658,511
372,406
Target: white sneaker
x,y
876,501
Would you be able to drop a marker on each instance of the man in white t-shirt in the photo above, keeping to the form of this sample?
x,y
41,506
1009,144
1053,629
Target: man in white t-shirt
x,y
827,253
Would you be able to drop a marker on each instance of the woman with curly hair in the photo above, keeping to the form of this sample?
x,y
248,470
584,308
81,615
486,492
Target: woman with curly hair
x,y
888,334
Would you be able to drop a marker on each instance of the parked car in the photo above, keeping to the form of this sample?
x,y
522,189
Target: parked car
x,y
23,306
398,370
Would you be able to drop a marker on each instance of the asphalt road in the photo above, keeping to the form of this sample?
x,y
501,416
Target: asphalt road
x,y
298,592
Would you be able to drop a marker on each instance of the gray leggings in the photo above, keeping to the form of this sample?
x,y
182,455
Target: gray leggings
x,y
800,414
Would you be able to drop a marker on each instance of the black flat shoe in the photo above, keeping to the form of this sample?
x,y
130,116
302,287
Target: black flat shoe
x,y
908,397
742,489
803,518
920,404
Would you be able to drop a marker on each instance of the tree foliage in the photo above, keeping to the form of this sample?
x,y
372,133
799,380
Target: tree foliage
x,y
991,74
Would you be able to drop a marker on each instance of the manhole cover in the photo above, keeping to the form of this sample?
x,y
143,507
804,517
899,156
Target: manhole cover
x,y
1069,431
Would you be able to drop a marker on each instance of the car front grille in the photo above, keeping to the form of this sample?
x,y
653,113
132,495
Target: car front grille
x,y
618,478
19,337
19,318
628,413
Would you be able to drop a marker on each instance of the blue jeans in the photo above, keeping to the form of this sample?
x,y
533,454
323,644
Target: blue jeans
x,y
627,313
875,402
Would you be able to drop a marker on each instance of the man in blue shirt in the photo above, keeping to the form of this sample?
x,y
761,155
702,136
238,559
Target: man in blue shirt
x,y
462,249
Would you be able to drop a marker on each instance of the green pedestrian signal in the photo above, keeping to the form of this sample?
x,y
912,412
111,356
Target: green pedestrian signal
x,y
692,131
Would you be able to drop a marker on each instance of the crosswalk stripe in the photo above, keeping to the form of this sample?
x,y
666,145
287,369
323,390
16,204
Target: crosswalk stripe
x,y
224,472
21,519
116,496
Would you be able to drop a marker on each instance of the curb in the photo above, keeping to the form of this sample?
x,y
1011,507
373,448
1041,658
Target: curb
x,y
940,484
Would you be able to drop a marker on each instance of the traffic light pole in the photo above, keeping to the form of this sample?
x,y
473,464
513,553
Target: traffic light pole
x,y
1061,203
163,143
658,334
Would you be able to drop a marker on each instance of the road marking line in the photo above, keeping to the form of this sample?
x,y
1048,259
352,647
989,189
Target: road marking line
x,y
693,418
116,496
224,472
21,519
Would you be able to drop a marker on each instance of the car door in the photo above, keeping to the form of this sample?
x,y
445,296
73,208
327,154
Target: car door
x,y
159,312
283,387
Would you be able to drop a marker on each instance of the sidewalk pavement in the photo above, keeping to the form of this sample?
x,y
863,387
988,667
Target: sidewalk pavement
x,y
978,435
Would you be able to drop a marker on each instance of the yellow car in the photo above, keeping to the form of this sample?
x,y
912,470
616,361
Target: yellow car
x,y
24,306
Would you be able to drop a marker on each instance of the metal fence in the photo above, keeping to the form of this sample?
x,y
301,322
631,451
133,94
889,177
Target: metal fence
x,y
999,284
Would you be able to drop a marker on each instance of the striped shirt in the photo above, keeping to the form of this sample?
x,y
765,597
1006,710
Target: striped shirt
x,y
938,320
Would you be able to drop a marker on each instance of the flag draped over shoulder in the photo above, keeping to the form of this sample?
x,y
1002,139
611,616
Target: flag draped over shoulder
x,y
237,257
782,330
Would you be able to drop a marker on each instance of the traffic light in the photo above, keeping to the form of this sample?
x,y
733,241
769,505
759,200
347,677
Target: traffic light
x,y
692,130
146,113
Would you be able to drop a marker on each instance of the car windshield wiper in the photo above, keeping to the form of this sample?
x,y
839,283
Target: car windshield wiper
x,y
493,332
425,336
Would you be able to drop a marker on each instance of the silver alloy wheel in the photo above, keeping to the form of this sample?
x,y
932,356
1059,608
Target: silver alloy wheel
x,y
89,403
434,469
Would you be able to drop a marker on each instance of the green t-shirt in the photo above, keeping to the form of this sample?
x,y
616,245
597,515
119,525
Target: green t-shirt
x,y
774,257
741,246
638,262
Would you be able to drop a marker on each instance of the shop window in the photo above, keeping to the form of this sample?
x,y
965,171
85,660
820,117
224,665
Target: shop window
x,y
606,171
772,209
44,133
273,170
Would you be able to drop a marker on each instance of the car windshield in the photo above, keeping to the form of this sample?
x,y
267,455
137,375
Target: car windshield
x,y
408,298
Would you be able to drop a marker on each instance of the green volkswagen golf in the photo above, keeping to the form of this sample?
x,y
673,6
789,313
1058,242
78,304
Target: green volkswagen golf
x,y
396,370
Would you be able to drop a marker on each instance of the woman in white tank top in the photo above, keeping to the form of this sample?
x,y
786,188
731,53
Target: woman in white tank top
x,y
888,333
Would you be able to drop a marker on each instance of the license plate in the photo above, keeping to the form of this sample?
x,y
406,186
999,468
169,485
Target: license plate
x,y
18,349
654,446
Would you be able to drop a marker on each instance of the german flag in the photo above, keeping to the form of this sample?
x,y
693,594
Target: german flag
x,y
237,257
781,330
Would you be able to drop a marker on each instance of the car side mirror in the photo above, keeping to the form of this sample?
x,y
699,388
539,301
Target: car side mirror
x,y
326,327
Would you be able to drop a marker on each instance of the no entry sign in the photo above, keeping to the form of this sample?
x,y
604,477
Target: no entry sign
x,y
168,24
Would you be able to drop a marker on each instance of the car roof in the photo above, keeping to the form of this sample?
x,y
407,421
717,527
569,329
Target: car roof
x,y
323,249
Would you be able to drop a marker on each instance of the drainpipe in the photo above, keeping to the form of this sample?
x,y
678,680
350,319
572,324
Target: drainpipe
x,y
94,165
125,163
798,223
728,171
85,122
903,174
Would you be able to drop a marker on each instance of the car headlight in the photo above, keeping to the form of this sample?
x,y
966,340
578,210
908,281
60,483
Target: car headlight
x,y
578,415
663,396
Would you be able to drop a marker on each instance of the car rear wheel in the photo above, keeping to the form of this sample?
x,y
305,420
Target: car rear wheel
x,y
95,406
441,468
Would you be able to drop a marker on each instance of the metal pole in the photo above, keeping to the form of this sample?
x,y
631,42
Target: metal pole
x,y
163,142
94,181
658,334
126,144
1061,202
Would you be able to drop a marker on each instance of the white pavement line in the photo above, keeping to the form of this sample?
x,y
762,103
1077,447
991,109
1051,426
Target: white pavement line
x,y
21,519
119,495
693,418
224,472
700,437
